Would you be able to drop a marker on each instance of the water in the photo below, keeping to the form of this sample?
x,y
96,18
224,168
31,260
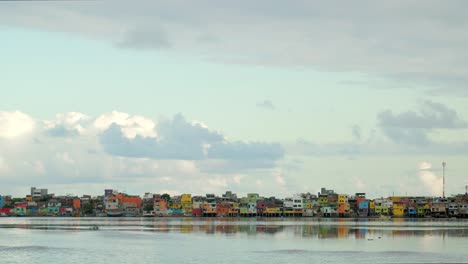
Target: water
x,y
198,240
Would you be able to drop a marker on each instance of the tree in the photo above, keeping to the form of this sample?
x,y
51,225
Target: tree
x,y
88,208
166,197
149,208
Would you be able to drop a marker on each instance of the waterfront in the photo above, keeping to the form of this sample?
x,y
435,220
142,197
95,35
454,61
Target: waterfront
x,y
227,240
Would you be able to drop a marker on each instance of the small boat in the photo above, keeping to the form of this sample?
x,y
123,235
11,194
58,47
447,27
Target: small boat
x,y
95,227
114,214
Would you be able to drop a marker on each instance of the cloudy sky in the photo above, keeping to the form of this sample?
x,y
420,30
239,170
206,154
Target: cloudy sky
x,y
275,97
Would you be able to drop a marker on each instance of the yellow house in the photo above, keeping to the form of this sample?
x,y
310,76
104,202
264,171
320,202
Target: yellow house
x,y
399,209
186,199
342,198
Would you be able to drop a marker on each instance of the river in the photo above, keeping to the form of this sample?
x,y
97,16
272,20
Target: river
x,y
224,240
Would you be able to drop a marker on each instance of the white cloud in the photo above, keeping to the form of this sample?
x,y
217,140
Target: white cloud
x,y
430,181
238,178
131,126
359,184
67,124
15,124
280,180
218,182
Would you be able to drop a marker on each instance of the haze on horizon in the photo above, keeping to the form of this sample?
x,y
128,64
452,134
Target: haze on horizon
x,y
271,97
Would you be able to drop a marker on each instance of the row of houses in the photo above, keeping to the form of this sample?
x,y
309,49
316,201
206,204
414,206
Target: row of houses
x,y
326,203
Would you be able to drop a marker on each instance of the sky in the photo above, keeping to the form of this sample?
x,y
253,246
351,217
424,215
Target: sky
x,y
270,97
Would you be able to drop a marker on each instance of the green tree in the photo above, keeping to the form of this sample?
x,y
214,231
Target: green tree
x,y
166,197
149,208
88,208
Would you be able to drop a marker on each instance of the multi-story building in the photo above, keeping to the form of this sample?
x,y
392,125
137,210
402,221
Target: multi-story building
x,y
439,207
186,201
298,205
252,204
36,192
209,205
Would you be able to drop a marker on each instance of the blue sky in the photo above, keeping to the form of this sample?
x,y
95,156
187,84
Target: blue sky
x,y
267,97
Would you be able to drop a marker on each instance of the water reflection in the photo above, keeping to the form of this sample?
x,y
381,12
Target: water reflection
x,y
305,228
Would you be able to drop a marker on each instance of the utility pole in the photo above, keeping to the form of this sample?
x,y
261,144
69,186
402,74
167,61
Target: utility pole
x,y
443,179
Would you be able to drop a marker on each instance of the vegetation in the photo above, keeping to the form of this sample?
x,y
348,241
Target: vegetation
x,y
88,208
166,197
148,207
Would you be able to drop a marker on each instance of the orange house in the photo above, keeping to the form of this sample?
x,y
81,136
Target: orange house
x,y
343,208
222,208
128,199
76,203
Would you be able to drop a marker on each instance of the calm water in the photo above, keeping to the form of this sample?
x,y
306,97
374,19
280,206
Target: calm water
x,y
180,240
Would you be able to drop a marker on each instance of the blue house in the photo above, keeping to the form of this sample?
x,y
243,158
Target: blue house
x,y
2,202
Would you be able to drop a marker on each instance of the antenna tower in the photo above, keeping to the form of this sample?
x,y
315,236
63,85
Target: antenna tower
x,y
443,178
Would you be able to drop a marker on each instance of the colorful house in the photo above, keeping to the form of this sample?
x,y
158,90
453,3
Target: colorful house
x,y
197,206
308,207
223,208
381,210
343,209
399,209
252,204
19,209
53,207
77,204
186,200
5,211
234,209
209,209
160,206
323,200
363,206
